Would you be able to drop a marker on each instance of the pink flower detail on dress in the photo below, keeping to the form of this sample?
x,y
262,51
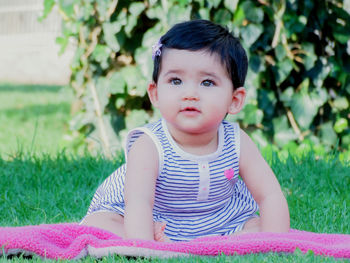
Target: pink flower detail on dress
x,y
229,173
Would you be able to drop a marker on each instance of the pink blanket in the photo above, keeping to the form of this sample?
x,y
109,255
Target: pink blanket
x,y
72,241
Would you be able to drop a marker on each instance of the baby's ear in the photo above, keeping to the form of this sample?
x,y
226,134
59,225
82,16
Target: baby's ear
x,y
153,94
238,99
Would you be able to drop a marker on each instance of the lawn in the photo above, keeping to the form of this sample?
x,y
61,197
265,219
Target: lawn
x,y
33,118
57,187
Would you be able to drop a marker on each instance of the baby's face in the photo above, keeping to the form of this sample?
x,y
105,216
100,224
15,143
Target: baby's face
x,y
194,91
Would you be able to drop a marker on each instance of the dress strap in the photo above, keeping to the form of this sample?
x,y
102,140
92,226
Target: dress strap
x,y
134,134
237,137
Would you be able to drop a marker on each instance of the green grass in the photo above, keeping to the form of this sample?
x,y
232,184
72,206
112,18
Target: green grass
x,y
33,118
42,184
59,189
268,258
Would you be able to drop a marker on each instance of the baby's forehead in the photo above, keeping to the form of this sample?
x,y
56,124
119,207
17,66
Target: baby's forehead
x,y
187,52
203,58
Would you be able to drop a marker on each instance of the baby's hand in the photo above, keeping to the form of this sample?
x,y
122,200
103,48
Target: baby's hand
x,y
159,234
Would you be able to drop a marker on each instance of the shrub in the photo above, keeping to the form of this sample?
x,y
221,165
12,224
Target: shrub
x,y
298,81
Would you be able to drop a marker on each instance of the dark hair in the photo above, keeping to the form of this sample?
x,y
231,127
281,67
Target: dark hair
x,y
204,35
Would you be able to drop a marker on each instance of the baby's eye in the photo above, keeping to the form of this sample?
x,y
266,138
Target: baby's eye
x,y
175,81
208,83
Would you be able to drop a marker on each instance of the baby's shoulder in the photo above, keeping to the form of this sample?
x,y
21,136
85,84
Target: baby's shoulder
x,y
143,148
143,141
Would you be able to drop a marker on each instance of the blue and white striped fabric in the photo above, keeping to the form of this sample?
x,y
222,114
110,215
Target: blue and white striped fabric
x,y
195,195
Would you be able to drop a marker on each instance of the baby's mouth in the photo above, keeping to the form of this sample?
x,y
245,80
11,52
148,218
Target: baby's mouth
x,y
190,109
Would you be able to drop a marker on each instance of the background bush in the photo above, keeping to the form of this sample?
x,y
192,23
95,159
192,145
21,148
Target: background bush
x,y
299,72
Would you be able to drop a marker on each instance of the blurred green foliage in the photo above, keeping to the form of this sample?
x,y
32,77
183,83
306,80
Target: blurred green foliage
x,y
299,72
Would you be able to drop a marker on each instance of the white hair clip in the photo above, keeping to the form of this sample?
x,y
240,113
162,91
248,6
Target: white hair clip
x,y
156,50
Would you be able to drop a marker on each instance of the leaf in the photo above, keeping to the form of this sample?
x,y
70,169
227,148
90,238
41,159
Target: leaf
x,y
76,60
282,132
136,84
183,2
259,138
122,17
152,36
280,52
346,6
251,33
178,14
339,23
346,142
101,54
152,2
231,5
238,17
136,118
294,24
80,120
102,7
287,96
280,123
320,72
74,28
66,7
283,69
340,125
88,101
328,136
252,115
303,110
222,16
305,106
114,142
129,74
86,13
256,64
117,83
156,12
95,137
119,102
79,78
144,61
319,96
253,13
109,34
136,8
63,42
341,103
103,91
310,57
290,146
204,13
304,148
251,85
132,22
213,3
267,101
48,5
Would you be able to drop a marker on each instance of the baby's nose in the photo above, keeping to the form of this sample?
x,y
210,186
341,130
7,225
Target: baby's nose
x,y
191,93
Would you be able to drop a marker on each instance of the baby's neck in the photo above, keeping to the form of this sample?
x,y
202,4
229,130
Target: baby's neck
x,y
197,144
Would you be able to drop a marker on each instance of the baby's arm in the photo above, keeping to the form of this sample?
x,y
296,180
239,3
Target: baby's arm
x,y
140,180
263,185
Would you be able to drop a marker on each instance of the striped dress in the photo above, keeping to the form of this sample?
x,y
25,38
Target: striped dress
x,y
195,195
